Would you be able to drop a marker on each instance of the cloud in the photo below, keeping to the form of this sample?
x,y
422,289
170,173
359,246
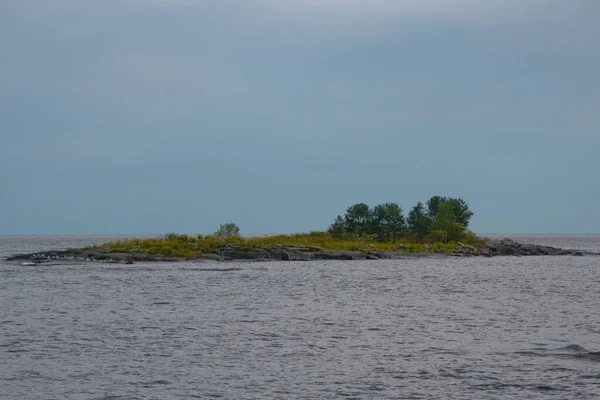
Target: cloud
x,y
546,23
442,9
341,12
166,3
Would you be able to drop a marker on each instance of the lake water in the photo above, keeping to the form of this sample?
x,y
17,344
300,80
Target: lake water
x,y
481,328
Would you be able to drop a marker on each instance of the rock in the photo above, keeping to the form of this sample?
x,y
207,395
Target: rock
x,y
466,249
299,248
292,256
350,255
508,247
230,254
259,254
466,246
213,257
401,247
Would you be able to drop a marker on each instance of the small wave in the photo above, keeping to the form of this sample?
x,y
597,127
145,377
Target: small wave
x,y
546,388
561,369
572,351
211,269
571,347
152,383
528,353
590,356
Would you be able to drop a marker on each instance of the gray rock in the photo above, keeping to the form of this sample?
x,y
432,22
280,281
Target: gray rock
x,y
350,255
214,257
508,247
296,256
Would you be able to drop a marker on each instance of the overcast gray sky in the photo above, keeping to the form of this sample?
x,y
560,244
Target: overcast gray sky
x,y
151,116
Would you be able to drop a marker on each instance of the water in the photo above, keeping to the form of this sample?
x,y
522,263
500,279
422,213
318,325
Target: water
x,y
499,328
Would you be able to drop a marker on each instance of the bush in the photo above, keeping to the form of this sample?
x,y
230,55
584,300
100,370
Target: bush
x,y
472,239
437,236
228,230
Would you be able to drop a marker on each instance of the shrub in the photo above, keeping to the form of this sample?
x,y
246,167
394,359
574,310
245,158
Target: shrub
x,y
228,230
436,235
472,239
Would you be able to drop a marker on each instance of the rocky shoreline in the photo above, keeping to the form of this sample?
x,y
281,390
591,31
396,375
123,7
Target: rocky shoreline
x,y
501,247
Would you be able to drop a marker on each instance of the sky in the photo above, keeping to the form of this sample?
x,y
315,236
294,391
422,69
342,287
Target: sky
x,y
155,116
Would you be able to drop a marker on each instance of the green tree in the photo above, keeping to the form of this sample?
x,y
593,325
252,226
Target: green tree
x,y
357,218
458,207
433,205
338,227
461,211
228,230
387,221
418,220
445,221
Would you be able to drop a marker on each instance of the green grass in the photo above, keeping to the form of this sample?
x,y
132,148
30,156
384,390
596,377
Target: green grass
x,y
177,245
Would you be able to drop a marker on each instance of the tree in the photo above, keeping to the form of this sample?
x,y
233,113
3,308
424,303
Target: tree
x,y
433,205
338,227
458,207
357,218
445,221
228,230
461,211
418,220
387,220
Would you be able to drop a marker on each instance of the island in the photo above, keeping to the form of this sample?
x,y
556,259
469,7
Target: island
x,y
438,228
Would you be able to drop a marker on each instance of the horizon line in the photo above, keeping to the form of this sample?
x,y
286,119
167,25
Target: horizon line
x,y
277,234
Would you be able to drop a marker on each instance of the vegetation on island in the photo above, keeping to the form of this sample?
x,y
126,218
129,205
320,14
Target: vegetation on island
x,y
445,219
438,225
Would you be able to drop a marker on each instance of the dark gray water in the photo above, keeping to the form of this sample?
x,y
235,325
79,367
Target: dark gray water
x,y
480,328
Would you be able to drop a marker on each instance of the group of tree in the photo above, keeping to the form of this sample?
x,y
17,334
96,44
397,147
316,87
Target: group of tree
x,y
440,219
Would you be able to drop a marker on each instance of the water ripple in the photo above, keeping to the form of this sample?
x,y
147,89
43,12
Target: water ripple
x,y
498,328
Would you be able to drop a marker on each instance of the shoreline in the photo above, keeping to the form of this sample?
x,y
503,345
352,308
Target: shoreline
x,y
285,252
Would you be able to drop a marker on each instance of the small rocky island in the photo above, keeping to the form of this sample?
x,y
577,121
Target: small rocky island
x,y
285,252
438,228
